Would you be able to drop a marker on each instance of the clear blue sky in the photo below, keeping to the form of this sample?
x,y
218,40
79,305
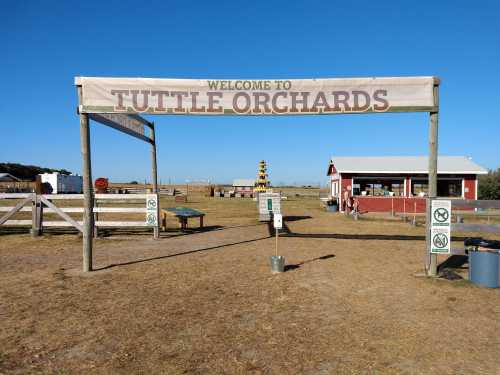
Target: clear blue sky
x,y
46,44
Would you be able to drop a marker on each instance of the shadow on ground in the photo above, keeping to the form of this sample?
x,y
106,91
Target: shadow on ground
x,y
5,231
178,254
109,232
296,218
291,267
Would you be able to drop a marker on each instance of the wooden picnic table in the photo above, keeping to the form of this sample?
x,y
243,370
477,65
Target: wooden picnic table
x,y
182,214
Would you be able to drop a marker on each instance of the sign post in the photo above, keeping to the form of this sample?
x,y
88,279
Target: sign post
x,y
431,258
278,224
277,261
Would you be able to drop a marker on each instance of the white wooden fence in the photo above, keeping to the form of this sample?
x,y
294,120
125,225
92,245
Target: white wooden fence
x,y
41,204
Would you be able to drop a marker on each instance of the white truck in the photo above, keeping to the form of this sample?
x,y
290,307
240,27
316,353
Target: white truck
x,y
63,184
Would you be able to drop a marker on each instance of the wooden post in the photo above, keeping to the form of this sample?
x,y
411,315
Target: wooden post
x,y
163,221
154,175
414,213
88,198
96,218
277,235
404,210
38,185
34,218
39,215
37,210
431,259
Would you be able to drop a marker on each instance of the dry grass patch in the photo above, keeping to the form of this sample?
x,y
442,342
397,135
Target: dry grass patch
x,y
206,303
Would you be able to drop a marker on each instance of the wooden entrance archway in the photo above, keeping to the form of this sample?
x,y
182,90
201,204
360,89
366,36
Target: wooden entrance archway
x,y
117,102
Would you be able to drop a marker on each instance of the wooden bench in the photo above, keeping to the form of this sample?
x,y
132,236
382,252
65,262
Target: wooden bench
x,y
182,214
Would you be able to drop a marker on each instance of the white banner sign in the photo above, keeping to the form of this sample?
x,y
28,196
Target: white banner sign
x,y
440,227
256,97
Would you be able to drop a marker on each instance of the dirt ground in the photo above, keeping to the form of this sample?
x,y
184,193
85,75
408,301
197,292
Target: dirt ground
x,y
205,302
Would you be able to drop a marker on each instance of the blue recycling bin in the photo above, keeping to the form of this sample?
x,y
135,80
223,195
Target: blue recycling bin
x,y
484,268
332,208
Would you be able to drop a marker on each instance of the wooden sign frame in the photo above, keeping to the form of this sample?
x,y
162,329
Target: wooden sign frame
x,y
433,110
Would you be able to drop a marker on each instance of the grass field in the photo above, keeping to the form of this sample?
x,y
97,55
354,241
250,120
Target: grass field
x,y
205,302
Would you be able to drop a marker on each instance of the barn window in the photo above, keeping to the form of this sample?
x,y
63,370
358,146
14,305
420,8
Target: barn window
x,y
378,187
446,187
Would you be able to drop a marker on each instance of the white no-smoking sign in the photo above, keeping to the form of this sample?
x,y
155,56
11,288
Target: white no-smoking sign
x,y
440,226
152,210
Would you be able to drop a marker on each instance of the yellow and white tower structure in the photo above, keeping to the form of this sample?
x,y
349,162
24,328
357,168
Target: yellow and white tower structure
x,y
262,184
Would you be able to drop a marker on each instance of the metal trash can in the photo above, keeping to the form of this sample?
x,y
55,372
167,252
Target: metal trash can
x,y
277,264
484,268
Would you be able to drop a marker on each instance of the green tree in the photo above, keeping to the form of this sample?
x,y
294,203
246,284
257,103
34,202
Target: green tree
x,y
489,185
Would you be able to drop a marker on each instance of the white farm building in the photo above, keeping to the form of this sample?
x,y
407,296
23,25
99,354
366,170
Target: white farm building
x,y
62,183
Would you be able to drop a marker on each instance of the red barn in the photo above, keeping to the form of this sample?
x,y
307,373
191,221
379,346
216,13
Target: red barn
x,y
398,183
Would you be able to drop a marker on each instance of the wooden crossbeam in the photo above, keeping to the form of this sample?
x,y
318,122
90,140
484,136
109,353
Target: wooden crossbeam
x,y
17,207
61,213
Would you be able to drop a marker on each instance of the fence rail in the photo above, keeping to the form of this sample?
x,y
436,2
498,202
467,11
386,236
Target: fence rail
x,y
488,228
470,203
43,204
80,209
414,207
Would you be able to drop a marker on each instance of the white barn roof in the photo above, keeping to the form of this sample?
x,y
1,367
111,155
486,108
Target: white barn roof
x,y
404,164
244,182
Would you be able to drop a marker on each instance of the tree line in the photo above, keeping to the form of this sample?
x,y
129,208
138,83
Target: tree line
x,y
28,172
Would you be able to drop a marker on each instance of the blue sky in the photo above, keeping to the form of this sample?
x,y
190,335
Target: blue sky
x,y
46,44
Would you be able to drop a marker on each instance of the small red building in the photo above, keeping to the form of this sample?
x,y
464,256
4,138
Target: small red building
x,y
244,185
399,183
